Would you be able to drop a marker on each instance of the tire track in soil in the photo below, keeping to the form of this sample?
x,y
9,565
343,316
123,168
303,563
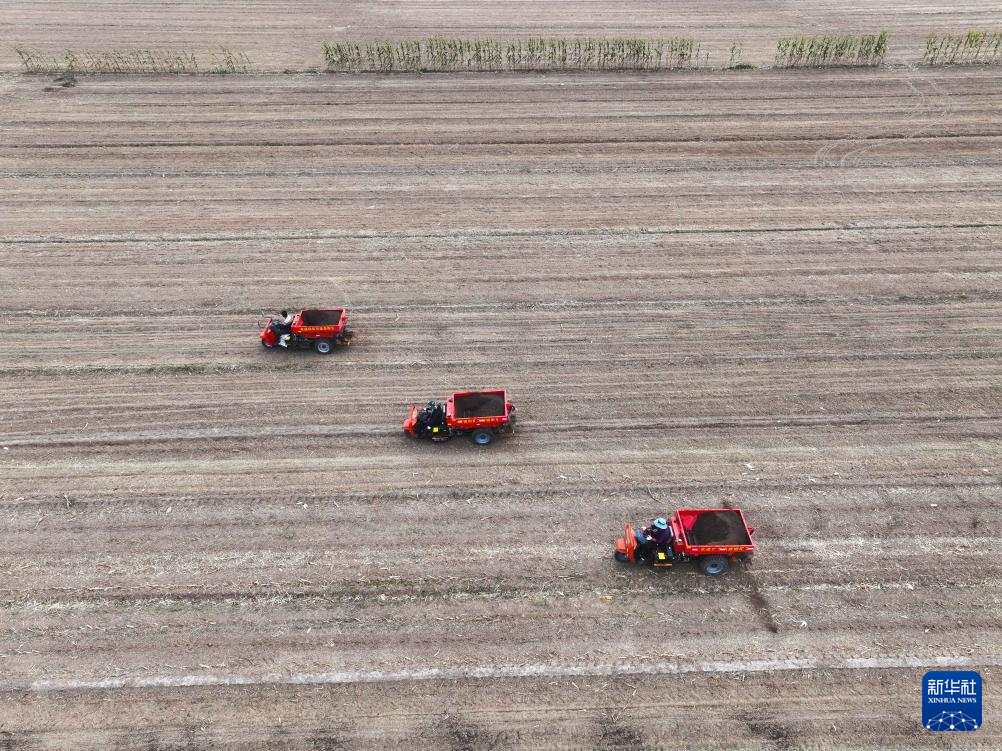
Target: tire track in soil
x,y
527,141
488,672
542,429
133,238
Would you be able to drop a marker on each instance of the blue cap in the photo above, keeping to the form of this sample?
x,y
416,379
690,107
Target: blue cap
x,y
661,523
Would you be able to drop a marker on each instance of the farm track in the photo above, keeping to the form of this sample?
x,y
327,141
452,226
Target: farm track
x,y
773,291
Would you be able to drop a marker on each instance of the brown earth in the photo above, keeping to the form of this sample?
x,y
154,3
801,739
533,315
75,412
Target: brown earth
x,y
778,291
279,35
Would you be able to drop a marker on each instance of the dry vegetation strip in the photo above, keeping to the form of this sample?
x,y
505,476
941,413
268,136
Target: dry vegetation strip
x,y
221,61
493,54
974,47
830,50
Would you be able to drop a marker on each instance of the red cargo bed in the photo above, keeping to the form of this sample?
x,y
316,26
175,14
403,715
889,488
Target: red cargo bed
x,y
319,323
477,409
705,531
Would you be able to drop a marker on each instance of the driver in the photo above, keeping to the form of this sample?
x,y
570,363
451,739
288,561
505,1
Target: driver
x,y
284,328
660,534
431,416
437,412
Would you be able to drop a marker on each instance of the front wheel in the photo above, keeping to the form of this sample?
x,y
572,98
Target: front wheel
x,y
713,565
482,436
323,346
266,345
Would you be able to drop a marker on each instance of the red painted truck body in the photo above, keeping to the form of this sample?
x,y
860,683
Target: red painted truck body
x,y
316,328
483,414
712,538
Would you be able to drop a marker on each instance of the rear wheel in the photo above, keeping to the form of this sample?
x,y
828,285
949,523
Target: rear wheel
x,y
323,346
482,436
713,565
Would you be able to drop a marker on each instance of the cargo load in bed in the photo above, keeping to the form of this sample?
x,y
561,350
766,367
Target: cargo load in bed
x,y
479,404
715,528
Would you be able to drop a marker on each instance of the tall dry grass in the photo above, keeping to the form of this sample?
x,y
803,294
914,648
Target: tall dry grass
x,y
493,54
220,61
972,48
830,51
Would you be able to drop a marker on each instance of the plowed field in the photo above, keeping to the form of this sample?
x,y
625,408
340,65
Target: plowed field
x,y
770,290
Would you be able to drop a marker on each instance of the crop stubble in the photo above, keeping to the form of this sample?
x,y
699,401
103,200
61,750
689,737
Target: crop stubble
x,y
774,291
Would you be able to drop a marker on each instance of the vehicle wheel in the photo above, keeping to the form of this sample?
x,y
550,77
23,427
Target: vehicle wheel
x,y
621,557
323,346
266,345
482,436
714,565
